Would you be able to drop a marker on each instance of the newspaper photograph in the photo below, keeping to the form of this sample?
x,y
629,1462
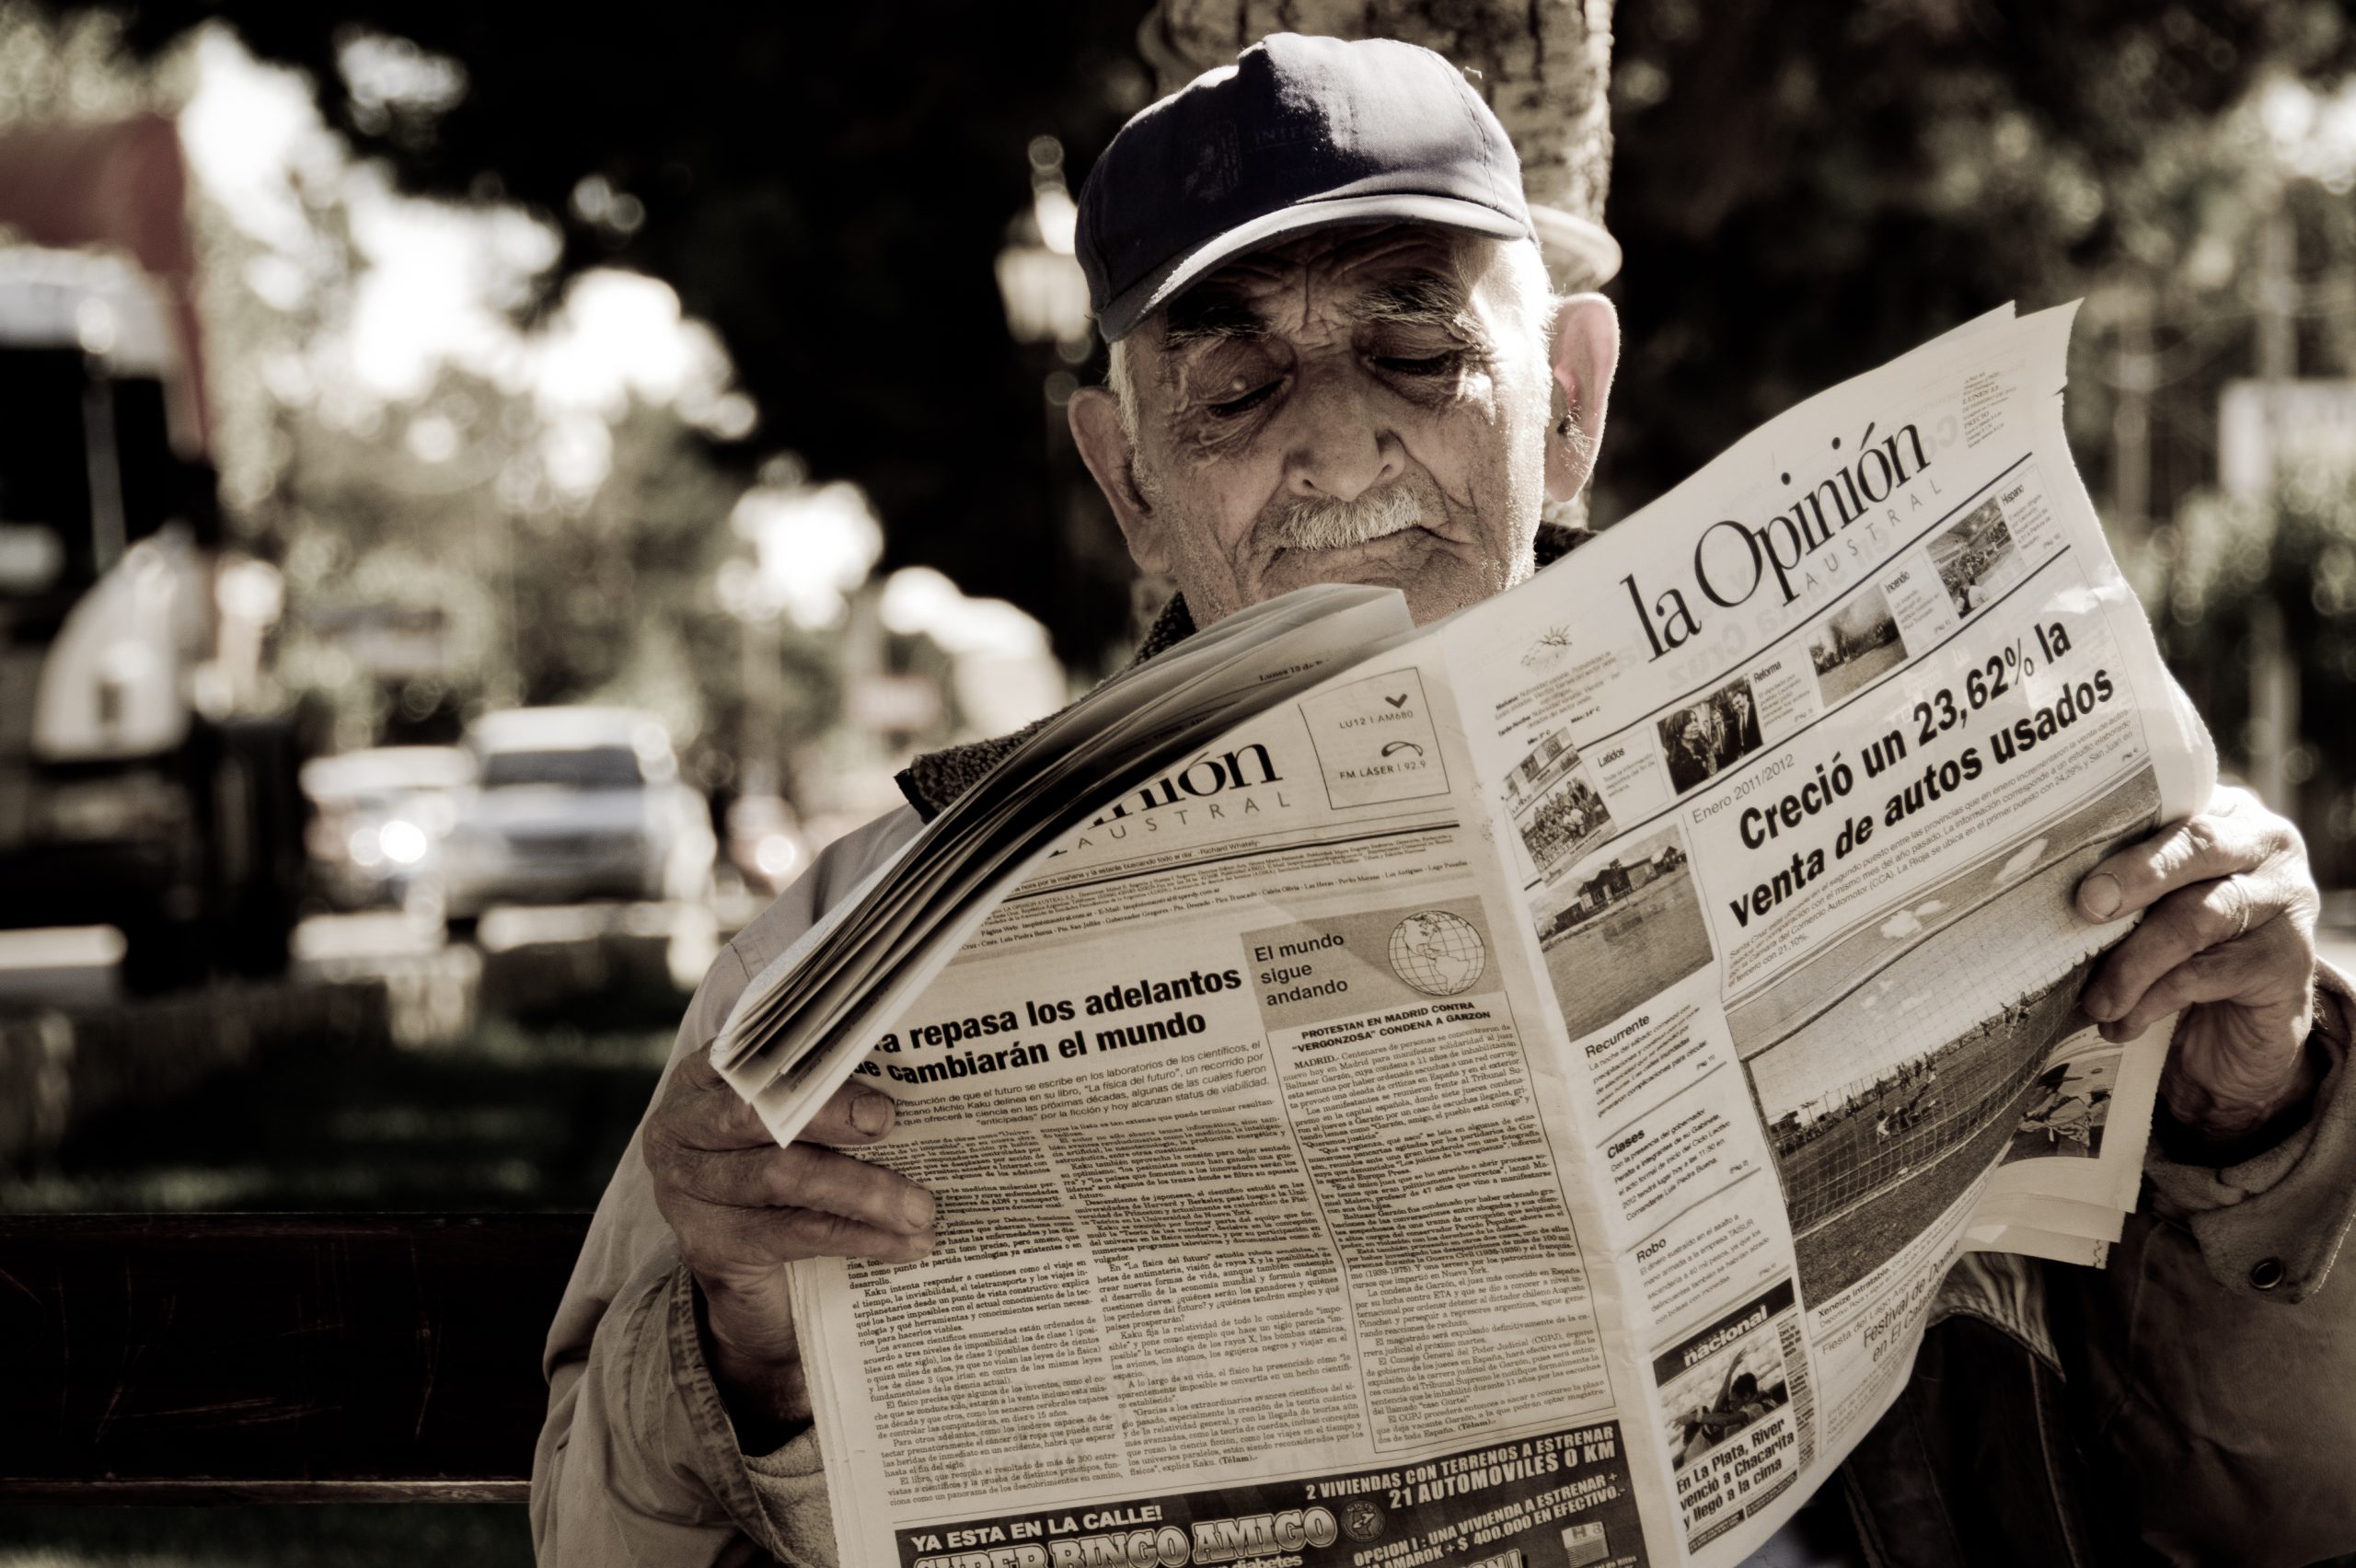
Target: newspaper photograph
x,y
1885,1090
1628,927
2066,1116
1738,1419
1513,1100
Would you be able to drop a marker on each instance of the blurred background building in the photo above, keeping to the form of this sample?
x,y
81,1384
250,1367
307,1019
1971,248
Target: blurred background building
x,y
696,386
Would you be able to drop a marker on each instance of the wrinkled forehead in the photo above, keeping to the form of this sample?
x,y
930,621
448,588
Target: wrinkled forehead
x,y
1389,271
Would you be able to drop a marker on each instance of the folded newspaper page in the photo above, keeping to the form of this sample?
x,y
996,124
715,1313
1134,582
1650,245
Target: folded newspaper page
x,y
1510,1102
801,1027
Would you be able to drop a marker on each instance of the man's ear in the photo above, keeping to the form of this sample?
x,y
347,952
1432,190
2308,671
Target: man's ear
x,y
1111,457
1587,350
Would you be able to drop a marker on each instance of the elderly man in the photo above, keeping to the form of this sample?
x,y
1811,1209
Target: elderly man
x,y
1336,358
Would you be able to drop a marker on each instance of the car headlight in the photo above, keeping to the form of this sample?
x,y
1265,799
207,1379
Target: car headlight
x,y
403,843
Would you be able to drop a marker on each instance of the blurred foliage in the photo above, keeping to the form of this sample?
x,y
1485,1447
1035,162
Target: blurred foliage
x,y
1806,188
448,506
545,596
829,185
1803,188
452,505
2297,548
73,65
1809,187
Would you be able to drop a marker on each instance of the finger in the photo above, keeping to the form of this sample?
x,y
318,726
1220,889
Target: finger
x,y
2242,972
753,1243
2187,921
2201,849
712,1114
853,1115
804,1176
700,1109
2204,977
810,1234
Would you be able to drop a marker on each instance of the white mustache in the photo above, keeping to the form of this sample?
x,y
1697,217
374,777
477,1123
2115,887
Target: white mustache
x,y
1338,524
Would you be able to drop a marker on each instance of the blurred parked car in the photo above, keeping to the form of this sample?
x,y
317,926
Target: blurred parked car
x,y
377,816
134,790
570,804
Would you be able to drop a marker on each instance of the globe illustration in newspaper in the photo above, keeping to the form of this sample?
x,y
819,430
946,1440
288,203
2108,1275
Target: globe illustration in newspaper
x,y
1438,954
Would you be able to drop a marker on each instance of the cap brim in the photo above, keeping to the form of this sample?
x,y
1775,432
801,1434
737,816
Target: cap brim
x,y
1579,254
1158,288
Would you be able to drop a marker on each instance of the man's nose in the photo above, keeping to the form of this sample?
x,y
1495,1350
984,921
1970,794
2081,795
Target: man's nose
x,y
1339,446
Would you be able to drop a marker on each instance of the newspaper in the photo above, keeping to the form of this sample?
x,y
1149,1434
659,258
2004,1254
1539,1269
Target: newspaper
x,y
1509,1098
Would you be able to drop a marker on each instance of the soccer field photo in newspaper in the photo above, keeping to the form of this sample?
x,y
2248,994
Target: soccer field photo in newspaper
x,y
1555,809
1976,557
1870,1162
1706,737
1854,644
1884,1090
1622,928
2064,1115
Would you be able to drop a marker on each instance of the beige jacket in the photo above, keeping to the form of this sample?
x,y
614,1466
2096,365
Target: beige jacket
x,y
639,1465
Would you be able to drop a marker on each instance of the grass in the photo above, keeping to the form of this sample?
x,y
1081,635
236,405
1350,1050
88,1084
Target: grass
x,y
525,1115
1842,679
1625,954
1835,1256
1881,1192
522,1116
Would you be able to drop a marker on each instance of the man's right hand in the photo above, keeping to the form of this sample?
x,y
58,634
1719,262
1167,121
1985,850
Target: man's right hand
x,y
743,1207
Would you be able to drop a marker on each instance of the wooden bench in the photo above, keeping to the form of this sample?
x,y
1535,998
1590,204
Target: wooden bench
x,y
212,1358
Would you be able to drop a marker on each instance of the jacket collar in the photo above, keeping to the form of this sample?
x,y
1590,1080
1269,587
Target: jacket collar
x,y
936,778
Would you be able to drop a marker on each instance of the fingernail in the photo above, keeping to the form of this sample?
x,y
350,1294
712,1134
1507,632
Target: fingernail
x,y
2102,1010
2098,895
920,1208
871,1113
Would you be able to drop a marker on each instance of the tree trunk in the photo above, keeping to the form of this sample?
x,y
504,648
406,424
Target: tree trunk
x,y
1542,65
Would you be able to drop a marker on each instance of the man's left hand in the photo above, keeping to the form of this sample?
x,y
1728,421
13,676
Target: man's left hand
x,y
2229,939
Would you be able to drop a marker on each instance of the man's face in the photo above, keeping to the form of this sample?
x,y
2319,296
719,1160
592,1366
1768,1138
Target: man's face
x,y
1363,405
